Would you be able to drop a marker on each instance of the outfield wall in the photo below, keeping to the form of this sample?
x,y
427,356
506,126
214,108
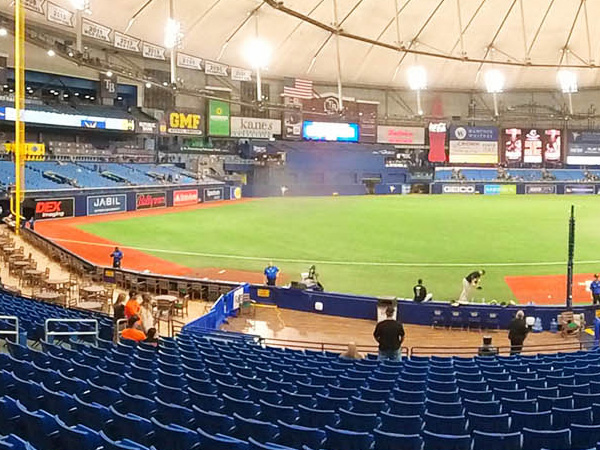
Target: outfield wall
x,y
60,205
363,307
492,188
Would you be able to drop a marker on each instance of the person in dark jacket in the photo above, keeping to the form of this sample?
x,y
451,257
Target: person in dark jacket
x,y
517,332
119,308
389,333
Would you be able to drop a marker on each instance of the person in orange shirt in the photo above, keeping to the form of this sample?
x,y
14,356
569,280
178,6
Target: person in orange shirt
x,y
132,307
132,332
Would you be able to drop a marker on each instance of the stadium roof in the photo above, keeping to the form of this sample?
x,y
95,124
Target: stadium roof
x,y
459,39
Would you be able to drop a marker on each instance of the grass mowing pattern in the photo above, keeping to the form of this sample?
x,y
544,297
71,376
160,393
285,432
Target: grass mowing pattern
x,y
476,230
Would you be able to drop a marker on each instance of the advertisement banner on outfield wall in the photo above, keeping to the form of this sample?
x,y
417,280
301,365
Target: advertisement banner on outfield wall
x,y
57,208
540,189
213,194
400,135
236,193
251,127
583,148
459,189
474,145
151,200
580,189
106,204
500,189
186,197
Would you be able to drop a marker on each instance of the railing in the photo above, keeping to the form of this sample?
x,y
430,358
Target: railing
x,y
15,331
49,335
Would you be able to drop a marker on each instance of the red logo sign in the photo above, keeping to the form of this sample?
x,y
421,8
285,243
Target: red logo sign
x,y
151,200
189,197
52,209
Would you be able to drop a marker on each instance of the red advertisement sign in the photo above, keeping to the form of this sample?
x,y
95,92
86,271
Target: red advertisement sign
x,y
54,209
188,197
151,200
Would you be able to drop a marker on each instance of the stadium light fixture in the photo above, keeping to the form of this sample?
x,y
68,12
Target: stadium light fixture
x,y
51,53
148,85
173,33
567,80
417,81
109,74
568,84
494,83
3,32
258,54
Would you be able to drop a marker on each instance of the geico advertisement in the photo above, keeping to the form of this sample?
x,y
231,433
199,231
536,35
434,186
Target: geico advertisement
x,y
459,189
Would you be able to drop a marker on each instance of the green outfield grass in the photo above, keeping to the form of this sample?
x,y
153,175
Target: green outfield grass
x,y
356,241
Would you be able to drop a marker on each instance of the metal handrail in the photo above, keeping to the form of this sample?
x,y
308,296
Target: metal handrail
x,y
50,334
14,332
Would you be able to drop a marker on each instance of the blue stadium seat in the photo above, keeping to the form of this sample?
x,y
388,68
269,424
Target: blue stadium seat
x,y
353,421
129,426
325,402
315,418
296,436
454,425
435,441
394,441
509,405
584,437
125,444
546,439
78,437
136,404
444,409
255,445
213,422
487,408
407,424
13,442
496,423
584,400
360,405
444,397
408,396
496,441
39,428
563,418
535,392
547,403
260,430
293,399
405,408
173,437
534,420
338,439
174,413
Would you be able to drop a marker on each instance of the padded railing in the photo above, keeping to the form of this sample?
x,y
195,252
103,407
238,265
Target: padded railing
x,y
14,332
49,334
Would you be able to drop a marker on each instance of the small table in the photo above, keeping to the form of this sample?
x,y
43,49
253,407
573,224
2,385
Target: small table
x,y
20,263
166,298
90,305
47,295
57,281
93,289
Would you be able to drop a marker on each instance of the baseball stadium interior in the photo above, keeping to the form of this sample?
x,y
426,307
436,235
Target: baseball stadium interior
x,y
299,225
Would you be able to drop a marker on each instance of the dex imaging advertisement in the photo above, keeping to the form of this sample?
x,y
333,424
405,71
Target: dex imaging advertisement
x,y
474,145
54,209
583,148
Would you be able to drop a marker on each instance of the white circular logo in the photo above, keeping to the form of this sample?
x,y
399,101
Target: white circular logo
x,y
460,133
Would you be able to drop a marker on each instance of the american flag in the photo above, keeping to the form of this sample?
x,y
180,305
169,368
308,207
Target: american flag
x,y
298,89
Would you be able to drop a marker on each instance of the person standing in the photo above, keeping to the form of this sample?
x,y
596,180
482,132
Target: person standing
x,y
119,308
132,307
117,256
517,332
469,284
389,333
271,272
146,313
595,289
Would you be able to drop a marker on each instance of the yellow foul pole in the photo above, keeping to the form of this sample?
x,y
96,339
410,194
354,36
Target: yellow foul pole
x,y
19,105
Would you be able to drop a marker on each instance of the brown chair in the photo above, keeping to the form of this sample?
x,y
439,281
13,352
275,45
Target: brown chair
x,y
181,306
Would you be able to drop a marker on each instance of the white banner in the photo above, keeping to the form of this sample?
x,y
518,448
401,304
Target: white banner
x,y
125,42
189,62
213,68
238,74
250,127
62,16
473,152
95,30
401,135
34,5
153,51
